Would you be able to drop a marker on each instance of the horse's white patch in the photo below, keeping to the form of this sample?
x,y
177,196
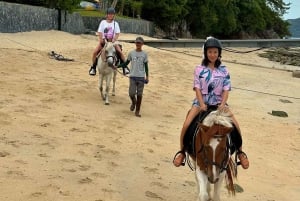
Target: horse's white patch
x,y
217,117
214,143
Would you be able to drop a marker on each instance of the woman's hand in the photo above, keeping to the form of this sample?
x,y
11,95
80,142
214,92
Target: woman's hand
x,y
222,108
203,107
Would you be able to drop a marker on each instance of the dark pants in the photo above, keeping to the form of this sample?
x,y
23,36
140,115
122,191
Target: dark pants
x,y
136,86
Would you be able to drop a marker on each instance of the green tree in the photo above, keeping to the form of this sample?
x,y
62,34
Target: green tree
x,y
68,5
164,13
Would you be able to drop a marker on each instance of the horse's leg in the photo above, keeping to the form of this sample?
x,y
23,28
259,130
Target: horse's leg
x,y
202,185
101,86
114,83
218,186
108,79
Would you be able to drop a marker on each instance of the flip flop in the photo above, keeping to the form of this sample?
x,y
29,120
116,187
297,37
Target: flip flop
x,y
244,162
182,161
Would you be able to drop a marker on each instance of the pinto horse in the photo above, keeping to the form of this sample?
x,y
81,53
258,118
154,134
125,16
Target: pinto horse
x,y
212,155
107,70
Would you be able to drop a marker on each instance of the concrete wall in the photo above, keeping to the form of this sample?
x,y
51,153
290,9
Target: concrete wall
x,y
20,18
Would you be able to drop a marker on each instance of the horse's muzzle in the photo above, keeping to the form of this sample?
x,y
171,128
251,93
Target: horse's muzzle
x,y
213,181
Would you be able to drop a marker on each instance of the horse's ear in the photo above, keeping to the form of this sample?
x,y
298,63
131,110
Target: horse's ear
x,y
203,127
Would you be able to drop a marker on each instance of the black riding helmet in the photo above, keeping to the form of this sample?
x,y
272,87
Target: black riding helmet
x,y
212,42
110,10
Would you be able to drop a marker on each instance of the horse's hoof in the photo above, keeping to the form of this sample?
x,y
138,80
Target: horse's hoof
x,y
113,94
106,103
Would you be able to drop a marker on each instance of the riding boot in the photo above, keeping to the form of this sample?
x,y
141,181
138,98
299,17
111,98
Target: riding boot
x,y
138,106
133,103
93,70
236,139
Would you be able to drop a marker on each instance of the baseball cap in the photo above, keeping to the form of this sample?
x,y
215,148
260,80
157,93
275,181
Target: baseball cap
x,y
139,40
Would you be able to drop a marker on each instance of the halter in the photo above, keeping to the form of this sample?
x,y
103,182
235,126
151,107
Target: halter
x,y
114,57
224,164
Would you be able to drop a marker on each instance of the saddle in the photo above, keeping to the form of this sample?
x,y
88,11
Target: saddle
x,y
191,133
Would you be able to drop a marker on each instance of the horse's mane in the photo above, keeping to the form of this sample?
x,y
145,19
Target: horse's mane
x,y
218,117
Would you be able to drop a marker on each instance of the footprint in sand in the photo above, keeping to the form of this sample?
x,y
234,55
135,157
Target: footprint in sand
x,y
159,185
43,155
99,175
65,193
85,181
16,174
78,130
153,195
68,160
36,194
68,170
45,125
84,167
150,170
5,119
4,153
86,144
191,183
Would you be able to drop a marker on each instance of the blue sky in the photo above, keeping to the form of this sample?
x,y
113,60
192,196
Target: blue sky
x,y
294,11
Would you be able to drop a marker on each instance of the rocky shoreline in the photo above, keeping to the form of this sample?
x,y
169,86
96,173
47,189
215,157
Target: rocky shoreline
x,y
288,56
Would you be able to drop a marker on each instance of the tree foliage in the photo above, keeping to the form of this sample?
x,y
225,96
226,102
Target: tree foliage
x,y
164,13
220,18
68,5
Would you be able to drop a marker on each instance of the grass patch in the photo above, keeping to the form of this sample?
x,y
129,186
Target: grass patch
x,y
90,13
97,13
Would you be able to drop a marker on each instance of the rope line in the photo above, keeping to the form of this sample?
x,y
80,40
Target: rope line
x,y
243,89
36,50
242,52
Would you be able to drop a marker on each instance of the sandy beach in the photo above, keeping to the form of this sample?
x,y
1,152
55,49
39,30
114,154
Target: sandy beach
x,y
59,142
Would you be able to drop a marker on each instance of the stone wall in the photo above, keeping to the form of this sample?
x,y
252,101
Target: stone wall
x,y
21,18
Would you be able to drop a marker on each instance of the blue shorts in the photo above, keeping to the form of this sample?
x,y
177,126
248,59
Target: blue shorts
x,y
196,103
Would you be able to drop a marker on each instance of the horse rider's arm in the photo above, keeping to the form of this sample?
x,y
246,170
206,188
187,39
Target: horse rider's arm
x,y
200,98
100,37
225,95
116,37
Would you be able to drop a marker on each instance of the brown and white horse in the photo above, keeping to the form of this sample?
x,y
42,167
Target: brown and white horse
x,y
107,70
213,161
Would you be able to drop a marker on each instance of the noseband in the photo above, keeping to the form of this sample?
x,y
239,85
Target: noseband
x,y
224,164
114,57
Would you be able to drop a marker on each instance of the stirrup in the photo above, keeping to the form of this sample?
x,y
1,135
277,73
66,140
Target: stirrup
x,y
184,159
238,153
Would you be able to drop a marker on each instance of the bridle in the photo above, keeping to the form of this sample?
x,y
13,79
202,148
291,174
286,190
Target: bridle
x,y
224,163
114,57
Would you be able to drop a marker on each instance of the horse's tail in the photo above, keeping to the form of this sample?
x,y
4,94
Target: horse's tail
x,y
231,173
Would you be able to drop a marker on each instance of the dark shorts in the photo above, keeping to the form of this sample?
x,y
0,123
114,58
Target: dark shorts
x,y
136,86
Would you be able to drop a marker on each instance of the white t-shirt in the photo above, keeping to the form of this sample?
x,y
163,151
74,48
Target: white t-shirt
x,y
108,30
